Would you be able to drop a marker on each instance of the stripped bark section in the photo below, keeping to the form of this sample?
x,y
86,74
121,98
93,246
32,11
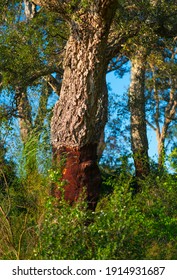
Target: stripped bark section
x,y
80,174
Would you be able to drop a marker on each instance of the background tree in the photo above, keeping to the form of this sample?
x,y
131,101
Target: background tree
x,y
139,139
138,49
162,95
27,64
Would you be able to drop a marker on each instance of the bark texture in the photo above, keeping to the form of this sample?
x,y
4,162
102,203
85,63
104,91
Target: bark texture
x,y
139,139
81,112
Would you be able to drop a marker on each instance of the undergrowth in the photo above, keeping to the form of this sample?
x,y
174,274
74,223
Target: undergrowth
x,y
34,225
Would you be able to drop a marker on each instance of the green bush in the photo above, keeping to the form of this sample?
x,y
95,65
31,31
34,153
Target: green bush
x,y
34,225
63,232
122,227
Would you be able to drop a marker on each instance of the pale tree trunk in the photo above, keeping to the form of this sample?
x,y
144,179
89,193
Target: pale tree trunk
x,y
26,128
30,9
160,149
81,112
30,130
161,134
24,112
46,91
161,129
139,139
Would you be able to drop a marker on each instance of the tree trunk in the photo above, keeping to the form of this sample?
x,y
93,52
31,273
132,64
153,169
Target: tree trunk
x,y
24,111
30,132
170,112
169,116
30,9
81,112
139,140
161,150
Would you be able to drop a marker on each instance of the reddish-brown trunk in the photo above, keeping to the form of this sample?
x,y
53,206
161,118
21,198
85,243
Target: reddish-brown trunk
x,y
81,174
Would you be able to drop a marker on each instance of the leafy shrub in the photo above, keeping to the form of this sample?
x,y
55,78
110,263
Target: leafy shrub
x,y
122,227
34,225
63,232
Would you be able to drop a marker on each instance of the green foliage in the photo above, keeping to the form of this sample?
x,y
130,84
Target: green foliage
x,y
34,225
173,159
29,48
21,208
7,170
122,227
21,202
62,235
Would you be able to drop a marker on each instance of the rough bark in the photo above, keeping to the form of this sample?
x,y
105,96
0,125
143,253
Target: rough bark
x,y
81,112
139,140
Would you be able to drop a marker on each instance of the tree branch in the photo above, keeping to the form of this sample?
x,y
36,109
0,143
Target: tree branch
x,y
57,6
30,9
117,63
44,72
151,125
115,46
53,83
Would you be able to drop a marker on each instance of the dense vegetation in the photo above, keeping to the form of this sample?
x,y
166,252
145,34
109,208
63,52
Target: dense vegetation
x,y
136,211
35,225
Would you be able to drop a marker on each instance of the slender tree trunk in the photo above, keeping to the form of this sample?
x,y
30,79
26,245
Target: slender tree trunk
x,y
30,9
161,137
160,149
26,129
30,131
46,91
139,140
24,111
170,112
81,112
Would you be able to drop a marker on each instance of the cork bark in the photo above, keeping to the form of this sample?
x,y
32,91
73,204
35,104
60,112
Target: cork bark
x,y
80,114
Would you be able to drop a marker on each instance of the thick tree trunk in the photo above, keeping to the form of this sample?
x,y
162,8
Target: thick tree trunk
x,y
81,112
137,110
